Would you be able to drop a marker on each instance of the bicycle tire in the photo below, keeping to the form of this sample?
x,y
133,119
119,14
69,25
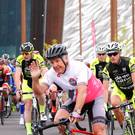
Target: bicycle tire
x,y
110,123
127,128
2,118
133,120
35,115
110,127
8,108
2,109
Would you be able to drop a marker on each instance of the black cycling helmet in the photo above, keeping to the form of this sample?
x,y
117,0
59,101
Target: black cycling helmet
x,y
56,51
27,47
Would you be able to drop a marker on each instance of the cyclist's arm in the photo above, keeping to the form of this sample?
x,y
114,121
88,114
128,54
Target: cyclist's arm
x,y
93,64
106,87
133,78
39,87
7,74
17,77
41,62
43,70
132,69
80,100
106,84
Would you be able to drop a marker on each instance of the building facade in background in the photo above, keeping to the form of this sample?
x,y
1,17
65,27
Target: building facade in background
x,y
78,24
10,26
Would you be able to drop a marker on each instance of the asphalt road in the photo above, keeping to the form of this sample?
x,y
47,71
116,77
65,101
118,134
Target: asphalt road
x,y
11,127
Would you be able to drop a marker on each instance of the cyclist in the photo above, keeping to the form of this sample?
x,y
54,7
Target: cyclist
x,y
11,68
23,81
4,72
76,78
98,64
121,70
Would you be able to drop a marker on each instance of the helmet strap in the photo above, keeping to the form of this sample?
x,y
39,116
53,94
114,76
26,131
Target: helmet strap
x,y
64,64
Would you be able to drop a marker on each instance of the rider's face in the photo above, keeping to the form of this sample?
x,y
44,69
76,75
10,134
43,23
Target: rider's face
x,y
101,57
58,65
27,55
114,57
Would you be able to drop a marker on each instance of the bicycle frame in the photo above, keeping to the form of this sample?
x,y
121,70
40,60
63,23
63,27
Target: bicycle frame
x,y
128,123
82,132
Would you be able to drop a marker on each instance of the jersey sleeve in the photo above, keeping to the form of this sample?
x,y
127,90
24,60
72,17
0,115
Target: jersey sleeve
x,y
40,60
105,74
92,66
132,64
83,74
19,61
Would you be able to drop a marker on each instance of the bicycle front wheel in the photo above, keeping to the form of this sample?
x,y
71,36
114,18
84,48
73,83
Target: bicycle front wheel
x,y
127,129
1,110
110,127
8,107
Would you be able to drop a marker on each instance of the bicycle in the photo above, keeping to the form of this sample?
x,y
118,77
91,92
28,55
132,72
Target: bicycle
x,y
8,105
109,121
65,122
35,108
35,112
129,117
59,102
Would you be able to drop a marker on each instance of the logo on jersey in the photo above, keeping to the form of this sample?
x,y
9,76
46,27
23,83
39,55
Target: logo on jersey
x,y
124,69
72,81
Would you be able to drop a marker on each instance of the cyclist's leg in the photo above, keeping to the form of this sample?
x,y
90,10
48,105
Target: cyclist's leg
x,y
64,112
27,99
41,101
27,115
53,106
21,122
117,97
40,95
99,120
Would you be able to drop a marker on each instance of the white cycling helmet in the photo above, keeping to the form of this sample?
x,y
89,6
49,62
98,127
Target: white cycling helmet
x,y
100,49
5,56
113,47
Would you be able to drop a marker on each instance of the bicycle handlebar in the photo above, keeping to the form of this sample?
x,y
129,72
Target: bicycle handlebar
x,y
61,122
120,106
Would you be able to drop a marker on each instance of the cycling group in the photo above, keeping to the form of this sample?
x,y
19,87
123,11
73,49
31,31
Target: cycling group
x,y
89,86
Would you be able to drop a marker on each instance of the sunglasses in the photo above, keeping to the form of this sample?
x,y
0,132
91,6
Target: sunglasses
x,y
113,54
100,54
26,53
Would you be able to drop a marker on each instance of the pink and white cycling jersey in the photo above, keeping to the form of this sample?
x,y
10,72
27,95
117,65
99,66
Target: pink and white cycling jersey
x,y
94,89
76,73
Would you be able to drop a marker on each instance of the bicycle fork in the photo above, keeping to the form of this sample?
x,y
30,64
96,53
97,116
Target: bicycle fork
x,y
128,124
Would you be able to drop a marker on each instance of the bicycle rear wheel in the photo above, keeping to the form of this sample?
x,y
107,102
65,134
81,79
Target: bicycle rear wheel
x,y
35,115
1,110
2,118
35,121
8,107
